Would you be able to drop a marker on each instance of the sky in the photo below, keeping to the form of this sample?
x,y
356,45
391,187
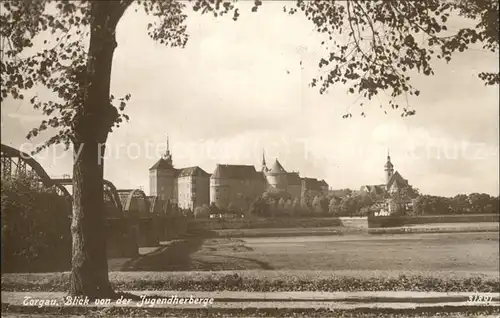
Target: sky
x,y
238,88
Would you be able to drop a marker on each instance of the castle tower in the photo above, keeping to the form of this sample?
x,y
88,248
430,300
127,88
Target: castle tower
x,y
388,168
168,155
162,177
264,167
277,176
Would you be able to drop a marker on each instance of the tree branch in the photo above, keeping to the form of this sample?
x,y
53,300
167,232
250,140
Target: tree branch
x,y
118,11
352,30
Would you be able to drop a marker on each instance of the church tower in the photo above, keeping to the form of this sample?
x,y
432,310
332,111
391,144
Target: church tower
x,y
388,168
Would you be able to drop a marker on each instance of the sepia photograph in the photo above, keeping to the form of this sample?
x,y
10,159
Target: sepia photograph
x,y
250,158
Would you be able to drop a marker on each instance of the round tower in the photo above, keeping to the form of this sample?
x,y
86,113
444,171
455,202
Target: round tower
x,y
277,176
219,187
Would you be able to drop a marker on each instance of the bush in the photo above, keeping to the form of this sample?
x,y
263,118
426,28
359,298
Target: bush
x,y
260,207
188,213
202,212
35,227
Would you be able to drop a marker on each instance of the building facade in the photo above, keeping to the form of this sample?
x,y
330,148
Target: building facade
x,y
237,186
186,187
232,187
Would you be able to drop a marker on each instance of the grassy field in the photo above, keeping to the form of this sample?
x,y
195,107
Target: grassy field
x,y
452,262
339,230
427,262
474,252
266,281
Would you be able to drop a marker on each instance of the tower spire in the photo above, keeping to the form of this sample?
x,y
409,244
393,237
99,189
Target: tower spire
x,y
388,167
168,154
168,146
264,167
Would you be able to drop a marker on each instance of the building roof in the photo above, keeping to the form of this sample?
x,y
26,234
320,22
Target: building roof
x,y
223,171
192,172
261,176
340,193
277,168
293,178
398,179
311,184
323,183
375,189
162,164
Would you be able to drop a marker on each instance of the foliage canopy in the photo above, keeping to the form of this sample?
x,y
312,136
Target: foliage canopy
x,y
372,47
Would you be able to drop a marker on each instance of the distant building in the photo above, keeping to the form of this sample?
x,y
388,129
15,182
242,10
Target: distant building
x,y
294,184
186,187
394,182
313,187
229,186
192,187
239,185
276,176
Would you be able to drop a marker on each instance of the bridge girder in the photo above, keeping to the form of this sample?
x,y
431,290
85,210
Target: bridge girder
x,y
8,154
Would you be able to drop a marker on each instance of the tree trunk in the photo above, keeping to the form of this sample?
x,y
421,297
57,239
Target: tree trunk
x,y
89,272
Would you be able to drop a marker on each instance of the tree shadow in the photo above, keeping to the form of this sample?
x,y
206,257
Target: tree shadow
x,y
178,256
174,257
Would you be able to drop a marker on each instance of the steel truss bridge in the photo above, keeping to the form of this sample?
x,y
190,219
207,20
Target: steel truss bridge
x,y
119,203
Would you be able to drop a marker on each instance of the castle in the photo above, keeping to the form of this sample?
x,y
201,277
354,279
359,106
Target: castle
x,y
235,186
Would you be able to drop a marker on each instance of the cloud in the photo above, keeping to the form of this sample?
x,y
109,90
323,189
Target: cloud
x,y
238,88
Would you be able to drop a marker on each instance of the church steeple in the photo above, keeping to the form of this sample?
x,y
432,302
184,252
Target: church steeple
x,y
388,168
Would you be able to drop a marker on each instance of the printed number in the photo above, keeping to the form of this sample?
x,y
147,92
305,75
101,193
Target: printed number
x,y
480,299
